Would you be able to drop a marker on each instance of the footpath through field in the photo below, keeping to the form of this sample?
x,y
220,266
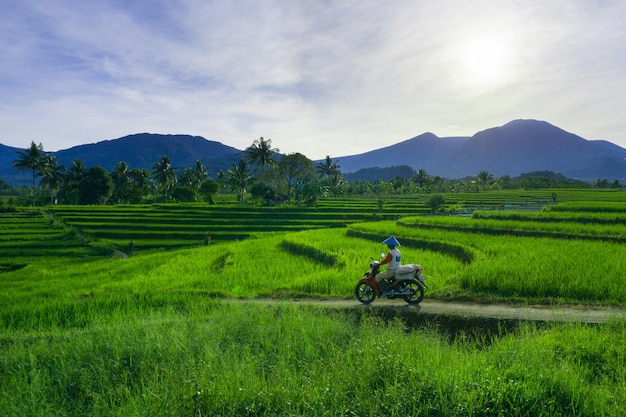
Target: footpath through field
x,y
581,314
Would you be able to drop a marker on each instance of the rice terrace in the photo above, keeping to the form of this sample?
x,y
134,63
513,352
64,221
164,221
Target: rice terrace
x,y
228,309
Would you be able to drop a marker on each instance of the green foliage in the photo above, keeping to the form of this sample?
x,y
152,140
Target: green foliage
x,y
96,187
435,202
86,334
214,358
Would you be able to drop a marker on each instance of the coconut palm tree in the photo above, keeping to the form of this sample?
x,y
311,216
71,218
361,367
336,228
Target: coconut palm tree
x,y
70,191
484,178
421,177
260,153
122,182
53,175
239,178
164,175
328,168
140,182
30,159
199,174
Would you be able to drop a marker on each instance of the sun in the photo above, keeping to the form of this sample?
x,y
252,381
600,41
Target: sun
x,y
485,59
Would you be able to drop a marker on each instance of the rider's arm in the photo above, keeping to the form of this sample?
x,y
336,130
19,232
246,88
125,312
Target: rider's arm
x,y
387,259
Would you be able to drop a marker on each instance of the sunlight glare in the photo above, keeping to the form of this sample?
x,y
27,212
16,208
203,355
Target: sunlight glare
x,y
485,59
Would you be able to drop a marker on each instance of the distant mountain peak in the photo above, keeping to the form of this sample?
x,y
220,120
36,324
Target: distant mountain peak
x,y
521,145
517,147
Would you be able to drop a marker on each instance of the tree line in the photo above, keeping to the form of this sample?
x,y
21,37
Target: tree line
x,y
262,174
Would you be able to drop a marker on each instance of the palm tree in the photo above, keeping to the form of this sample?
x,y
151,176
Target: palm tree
x,y
199,174
260,153
239,178
31,159
75,176
122,182
328,168
221,180
164,174
421,177
53,175
140,182
484,178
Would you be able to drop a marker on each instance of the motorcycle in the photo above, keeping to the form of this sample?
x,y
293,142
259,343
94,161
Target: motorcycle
x,y
408,284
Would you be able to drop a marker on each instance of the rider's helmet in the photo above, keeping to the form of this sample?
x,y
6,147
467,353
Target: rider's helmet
x,y
391,241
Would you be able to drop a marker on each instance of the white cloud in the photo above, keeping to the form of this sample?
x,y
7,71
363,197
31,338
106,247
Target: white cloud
x,y
317,77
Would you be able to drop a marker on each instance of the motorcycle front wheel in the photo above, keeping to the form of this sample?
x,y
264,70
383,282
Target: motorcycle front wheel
x,y
364,293
415,292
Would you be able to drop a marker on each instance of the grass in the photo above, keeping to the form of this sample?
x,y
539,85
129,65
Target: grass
x,y
89,333
237,359
537,269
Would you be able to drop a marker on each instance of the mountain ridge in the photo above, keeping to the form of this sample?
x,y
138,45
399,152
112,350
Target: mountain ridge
x,y
517,147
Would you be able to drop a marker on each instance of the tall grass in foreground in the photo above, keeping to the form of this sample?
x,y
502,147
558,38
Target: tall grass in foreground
x,y
243,359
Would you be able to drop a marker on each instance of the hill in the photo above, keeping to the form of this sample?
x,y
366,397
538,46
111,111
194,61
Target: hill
x,y
515,148
143,149
138,151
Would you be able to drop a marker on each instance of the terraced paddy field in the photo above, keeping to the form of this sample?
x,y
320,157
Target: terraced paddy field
x,y
185,225
86,332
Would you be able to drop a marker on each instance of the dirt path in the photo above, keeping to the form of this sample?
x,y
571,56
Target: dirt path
x,y
581,314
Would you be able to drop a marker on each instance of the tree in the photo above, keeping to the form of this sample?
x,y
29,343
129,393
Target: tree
x,y
421,177
140,179
435,202
239,178
75,175
222,180
77,170
336,184
186,188
262,191
184,193
295,167
208,188
308,191
484,178
260,153
164,175
96,186
30,159
122,182
199,174
328,168
53,175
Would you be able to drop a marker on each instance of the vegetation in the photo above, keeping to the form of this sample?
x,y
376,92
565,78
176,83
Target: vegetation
x,y
31,159
85,331
265,175
211,358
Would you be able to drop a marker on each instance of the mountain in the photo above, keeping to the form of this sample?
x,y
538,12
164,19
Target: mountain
x,y
138,151
423,151
515,148
143,149
518,147
7,173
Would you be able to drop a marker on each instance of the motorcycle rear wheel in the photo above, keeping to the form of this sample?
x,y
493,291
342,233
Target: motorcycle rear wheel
x,y
416,290
364,293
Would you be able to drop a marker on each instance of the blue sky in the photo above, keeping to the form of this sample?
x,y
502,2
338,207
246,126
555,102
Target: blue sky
x,y
318,77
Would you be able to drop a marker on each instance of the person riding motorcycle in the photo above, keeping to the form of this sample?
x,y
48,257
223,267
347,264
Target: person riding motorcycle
x,y
393,261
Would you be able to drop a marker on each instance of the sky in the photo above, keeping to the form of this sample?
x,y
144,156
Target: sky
x,y
319,77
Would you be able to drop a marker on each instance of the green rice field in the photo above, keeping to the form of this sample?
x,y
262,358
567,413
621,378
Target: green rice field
x,y
90,326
